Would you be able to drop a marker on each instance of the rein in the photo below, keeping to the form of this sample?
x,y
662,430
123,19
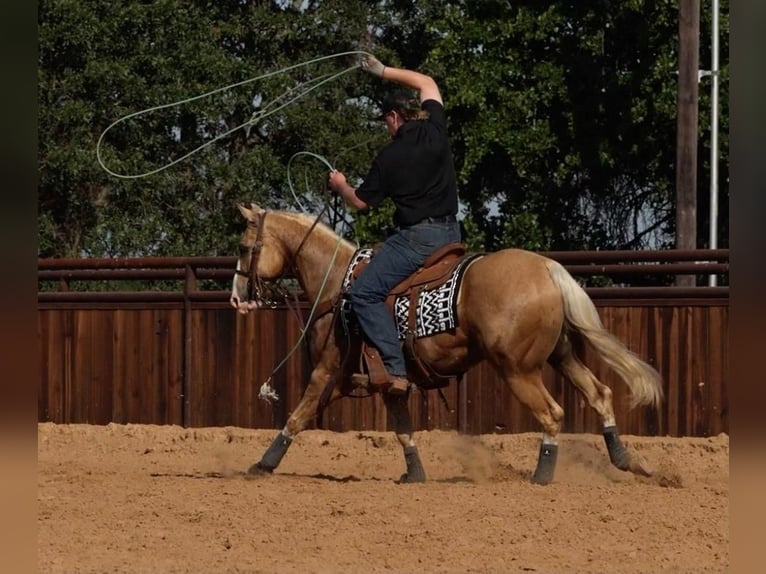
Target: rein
x,y
257,289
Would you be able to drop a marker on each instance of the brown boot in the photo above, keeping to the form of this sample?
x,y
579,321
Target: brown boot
x,y
399,385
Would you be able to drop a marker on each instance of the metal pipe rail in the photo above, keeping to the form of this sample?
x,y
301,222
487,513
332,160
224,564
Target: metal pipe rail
x,y
189,270
228,262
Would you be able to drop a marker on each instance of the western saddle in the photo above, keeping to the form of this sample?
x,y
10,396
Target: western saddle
x,y
435,271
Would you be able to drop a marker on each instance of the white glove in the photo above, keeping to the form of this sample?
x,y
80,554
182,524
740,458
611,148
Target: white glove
x,y
372,65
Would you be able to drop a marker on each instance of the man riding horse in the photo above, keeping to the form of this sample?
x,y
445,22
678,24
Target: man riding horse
x,y
516,309
415,169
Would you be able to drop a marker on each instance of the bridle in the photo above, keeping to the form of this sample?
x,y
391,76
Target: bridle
x,y
273,295
264,294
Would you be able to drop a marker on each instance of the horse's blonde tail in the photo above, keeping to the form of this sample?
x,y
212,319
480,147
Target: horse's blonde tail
x,y
643,380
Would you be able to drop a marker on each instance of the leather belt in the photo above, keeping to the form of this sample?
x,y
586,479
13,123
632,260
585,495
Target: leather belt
x,y
442,219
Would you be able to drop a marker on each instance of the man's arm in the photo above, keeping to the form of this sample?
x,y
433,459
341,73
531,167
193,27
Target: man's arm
x,y
337,182
425,85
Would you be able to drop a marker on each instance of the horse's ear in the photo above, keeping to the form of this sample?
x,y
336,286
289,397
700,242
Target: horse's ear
x,y
251,213
246,212
257,209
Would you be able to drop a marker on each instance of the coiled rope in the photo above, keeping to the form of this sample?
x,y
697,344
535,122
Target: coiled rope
x,y
265,112
266,391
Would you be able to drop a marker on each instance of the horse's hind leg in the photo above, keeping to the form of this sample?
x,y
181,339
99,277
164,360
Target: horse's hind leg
x,y
398,419
599,397
530,390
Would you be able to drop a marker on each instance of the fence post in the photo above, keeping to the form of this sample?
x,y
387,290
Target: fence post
x,y
190,285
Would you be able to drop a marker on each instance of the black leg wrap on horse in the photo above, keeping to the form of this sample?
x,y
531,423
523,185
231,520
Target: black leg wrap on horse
x,y
618,454
546,464
415,471
273,455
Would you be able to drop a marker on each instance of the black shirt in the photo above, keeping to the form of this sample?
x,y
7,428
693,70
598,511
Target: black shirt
x,y
415,170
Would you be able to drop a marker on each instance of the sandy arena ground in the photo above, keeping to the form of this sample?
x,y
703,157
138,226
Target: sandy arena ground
x,y
148,499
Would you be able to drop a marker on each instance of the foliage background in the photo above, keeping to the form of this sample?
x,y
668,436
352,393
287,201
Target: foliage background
x,y
562,115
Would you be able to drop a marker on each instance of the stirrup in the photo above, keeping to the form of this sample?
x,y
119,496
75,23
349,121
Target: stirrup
x,y
360,379
398,386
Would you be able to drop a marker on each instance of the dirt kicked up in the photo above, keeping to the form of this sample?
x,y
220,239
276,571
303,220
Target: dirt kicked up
x,y
151,499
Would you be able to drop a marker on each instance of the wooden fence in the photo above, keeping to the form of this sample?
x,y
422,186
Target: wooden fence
x,y
186,358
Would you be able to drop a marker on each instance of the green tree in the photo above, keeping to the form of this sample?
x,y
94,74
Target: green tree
x,y
101,61
562,117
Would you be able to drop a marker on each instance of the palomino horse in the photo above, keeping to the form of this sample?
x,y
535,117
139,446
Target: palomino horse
x,y
515,309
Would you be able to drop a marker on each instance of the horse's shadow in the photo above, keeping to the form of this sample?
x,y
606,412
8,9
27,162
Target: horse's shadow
x,y
239,474
352,478
199,475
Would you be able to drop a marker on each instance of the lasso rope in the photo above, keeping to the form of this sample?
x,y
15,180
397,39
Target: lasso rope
x,y
289,177
312,84
266,391
329,167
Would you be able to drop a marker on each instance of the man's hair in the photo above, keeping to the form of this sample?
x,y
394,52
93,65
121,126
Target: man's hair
x,y
403,102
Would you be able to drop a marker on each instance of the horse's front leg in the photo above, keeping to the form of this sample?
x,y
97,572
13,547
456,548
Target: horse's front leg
x,y
399,420
303,413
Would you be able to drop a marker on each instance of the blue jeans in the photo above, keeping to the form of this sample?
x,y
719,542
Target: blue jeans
x,y
398,258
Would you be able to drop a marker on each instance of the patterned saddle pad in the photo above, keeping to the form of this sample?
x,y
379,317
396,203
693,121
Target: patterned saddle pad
x,y
436,307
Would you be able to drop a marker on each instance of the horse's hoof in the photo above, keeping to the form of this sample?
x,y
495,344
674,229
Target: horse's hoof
x,y
542,478
639,467
258,470
411,478
546,464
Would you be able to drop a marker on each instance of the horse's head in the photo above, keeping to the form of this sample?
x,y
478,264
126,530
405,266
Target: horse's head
x,y
261,258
